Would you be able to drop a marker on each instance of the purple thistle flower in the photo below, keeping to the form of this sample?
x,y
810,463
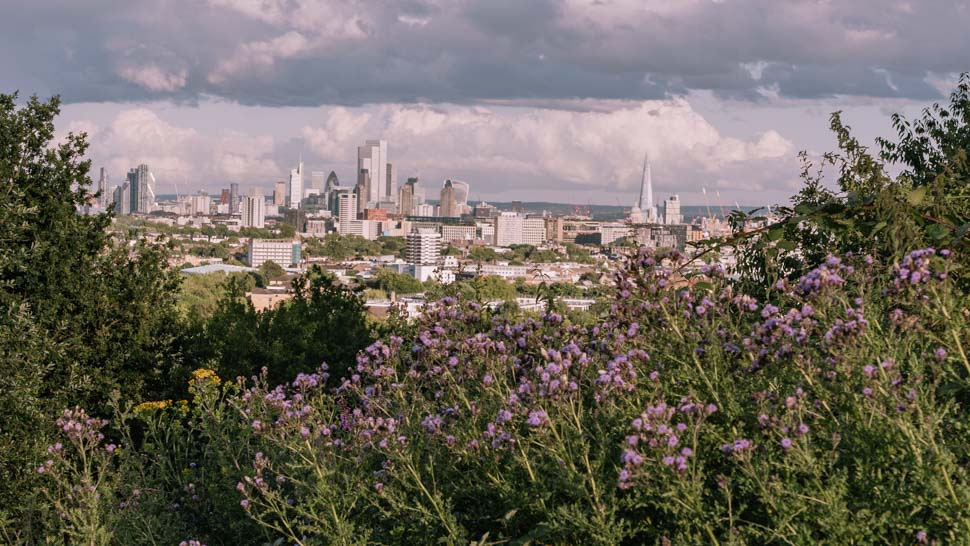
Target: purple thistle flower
x,y
786,443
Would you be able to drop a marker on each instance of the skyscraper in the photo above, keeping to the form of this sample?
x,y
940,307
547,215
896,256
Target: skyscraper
x,y
448,207
254,209
405,198
234,198
279,194
346,209
332,182
141,184
105,196
363,190
372,157
122,199
645,203
462,190
294,191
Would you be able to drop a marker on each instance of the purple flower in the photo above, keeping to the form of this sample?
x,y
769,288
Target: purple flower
x,y
921,537
537,418
244,503
786,443
940,354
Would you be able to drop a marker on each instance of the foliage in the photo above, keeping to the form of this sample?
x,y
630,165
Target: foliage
x,y
342,247
388,280
687,415
927,204
324,322
81,313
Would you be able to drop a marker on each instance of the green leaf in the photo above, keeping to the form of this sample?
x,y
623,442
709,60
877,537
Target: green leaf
x,y
776,233
787,245
916,196
937,232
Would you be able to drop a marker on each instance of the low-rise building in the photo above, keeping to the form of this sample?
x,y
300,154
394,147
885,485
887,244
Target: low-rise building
x,y
284,252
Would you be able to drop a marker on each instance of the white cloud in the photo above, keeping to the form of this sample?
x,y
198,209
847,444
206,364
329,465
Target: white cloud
x,y
597,148
186,157
154,78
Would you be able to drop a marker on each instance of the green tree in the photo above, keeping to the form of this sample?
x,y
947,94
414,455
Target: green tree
x,y
325,322
81,313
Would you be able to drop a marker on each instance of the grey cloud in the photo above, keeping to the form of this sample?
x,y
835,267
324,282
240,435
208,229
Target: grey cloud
x,y
481,50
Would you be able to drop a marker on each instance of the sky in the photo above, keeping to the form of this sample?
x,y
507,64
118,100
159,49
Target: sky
x,y
551,100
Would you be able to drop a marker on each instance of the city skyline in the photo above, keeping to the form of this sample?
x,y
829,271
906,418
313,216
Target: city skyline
x,y
523,100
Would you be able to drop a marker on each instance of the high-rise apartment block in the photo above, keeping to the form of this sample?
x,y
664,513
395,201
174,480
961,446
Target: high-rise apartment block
x,y
141,185
423,247
254,209
200,204
346,210
671,211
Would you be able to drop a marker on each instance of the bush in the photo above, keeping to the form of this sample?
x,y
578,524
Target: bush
x,y
830,411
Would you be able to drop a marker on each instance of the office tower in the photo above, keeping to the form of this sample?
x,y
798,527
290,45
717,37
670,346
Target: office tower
x,y
508,229
423,247
372,157
419,194
122,199
294,191
671,211
141,184
390,185
533,231
234,198
254,209
346,209
461,194
363,190
105,197
448,206
484,210
405,198
424,209
645,203
279,194
224,196
331,183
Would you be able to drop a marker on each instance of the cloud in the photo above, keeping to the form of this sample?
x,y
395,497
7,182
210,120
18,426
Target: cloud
x,y
180,157
594,149
347,52
154,78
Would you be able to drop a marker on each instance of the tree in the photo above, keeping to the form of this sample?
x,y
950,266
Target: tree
x,y
927,205
325,322
81,313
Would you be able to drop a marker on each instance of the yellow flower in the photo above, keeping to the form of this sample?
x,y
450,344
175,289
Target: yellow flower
x,y
149,407
203,374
